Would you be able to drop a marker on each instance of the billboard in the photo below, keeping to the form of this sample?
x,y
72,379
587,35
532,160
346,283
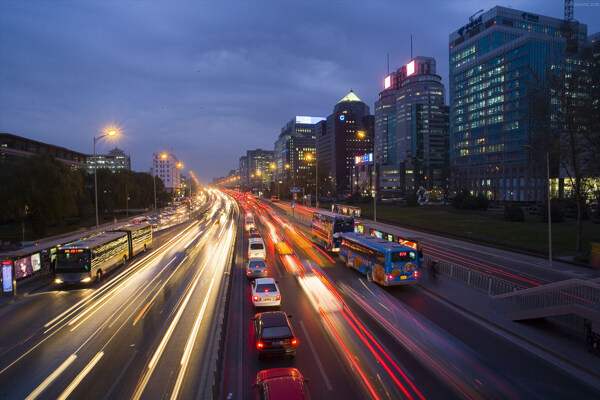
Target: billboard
x,y
7,277
27,265
388,82
367,158
410,68
309,120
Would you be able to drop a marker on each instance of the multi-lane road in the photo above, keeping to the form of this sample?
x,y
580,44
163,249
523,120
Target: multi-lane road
x,y
177,323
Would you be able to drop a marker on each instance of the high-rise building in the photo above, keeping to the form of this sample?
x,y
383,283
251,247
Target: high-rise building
x,y
244,175
260,173
349,134
497,61
296,140
411,129
168,168
115,160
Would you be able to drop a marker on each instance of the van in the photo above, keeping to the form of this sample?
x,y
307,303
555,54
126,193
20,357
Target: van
x,y
256,249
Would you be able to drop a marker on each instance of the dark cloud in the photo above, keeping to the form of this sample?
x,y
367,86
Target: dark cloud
x,y
209,79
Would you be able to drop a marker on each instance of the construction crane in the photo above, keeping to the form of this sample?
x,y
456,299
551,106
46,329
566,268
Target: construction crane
x,y
568,10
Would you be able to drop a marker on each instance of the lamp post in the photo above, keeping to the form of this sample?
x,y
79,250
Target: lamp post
x,y
528,147
112,132
310,157
362,135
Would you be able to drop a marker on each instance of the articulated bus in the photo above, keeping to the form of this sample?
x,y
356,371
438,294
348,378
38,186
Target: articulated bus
x,y
327,228
382,261
139,236
85,259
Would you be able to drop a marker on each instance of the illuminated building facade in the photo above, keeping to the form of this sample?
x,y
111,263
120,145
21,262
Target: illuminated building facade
x,y
411,130
168,168
115,160
349,134
296,140
260,174
497,61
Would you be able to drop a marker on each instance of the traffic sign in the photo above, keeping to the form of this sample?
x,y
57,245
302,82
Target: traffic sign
x,y
295,189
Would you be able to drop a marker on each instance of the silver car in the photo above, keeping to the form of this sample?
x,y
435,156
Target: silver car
x,y
256,268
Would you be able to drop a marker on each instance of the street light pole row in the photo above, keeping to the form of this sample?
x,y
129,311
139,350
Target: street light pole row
x,y
112,132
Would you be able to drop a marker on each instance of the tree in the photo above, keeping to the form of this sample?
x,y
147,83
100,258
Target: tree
x,y
564,121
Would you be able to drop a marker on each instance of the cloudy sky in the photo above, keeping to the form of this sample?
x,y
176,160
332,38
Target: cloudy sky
x,y
210,79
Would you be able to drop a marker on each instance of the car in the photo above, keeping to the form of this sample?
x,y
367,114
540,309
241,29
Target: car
x,y
274,199
249,223
256,268
252,231
265,293
255,235
273,334
256,249
280,384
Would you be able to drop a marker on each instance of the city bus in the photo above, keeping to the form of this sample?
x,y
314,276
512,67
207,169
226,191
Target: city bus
x,y
382,261
139,236
327,227
85,259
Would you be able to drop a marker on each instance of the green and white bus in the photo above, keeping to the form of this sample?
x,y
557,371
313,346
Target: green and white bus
x,y
85,259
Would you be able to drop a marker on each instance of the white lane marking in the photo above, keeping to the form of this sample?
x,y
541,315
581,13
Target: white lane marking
x,y
51,378
80,377
316,356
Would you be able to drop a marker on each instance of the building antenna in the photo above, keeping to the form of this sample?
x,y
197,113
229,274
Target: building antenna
x,y
411,47
388,56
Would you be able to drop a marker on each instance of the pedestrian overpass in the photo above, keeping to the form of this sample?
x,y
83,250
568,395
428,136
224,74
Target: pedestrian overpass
x,y
570,297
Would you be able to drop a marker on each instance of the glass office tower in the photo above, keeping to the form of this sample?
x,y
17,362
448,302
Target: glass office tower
x,y
497,60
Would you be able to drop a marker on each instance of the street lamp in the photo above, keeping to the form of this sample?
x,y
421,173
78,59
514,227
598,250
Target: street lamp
x,y
111,132
362,135
310,157
528,147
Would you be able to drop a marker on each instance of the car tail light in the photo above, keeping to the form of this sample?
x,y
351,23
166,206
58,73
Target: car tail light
x,y
278,297
259,345
255,298
416,274
294,341
249,272
390,277
265,271
266,290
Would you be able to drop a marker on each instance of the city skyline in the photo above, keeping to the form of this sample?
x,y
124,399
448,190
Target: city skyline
x,y
209,80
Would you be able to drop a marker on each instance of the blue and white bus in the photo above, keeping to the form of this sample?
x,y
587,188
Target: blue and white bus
x,y
382,261
327,228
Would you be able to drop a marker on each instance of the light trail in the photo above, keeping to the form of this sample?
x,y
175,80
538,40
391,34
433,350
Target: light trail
x,y
51,378
143,382
225,251
80,377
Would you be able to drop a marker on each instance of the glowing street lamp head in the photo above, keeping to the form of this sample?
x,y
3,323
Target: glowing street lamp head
x,y
361,134
287,166
309,157
272,166
112,132
164,156
179,165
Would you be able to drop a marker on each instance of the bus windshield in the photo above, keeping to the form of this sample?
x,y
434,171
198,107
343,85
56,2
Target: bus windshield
x,y
73,260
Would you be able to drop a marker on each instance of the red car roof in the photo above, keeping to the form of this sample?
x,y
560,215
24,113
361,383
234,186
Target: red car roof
x,y
282,383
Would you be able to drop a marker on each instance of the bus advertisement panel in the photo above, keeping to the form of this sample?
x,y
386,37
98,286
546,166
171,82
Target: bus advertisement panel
x,y
382,261
327,229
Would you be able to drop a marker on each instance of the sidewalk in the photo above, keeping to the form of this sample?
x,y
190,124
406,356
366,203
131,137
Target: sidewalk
x,y
566,351
27,286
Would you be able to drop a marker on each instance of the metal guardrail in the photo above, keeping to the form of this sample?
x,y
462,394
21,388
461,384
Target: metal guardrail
x,y
471,276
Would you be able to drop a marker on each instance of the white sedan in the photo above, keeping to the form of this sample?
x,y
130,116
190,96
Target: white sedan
x,y
265,293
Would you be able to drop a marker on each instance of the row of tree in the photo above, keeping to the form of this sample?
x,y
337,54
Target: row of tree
x,y
43,191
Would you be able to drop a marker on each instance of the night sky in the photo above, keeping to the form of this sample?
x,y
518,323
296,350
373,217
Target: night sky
x,y
210,79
